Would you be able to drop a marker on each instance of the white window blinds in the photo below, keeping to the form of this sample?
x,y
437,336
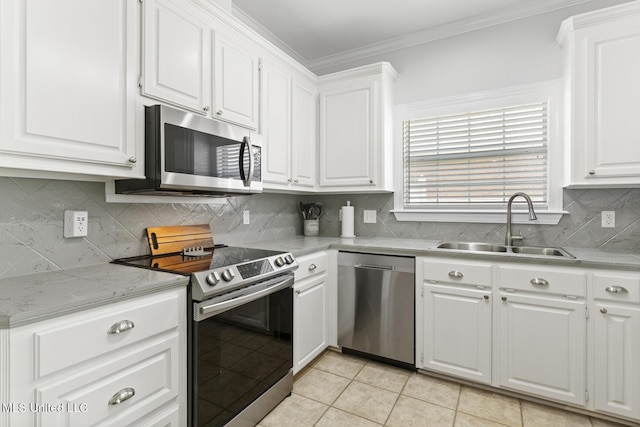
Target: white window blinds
x,y
476,159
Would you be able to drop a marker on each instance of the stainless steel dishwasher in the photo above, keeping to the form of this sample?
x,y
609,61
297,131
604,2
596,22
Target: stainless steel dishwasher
x,y
376,306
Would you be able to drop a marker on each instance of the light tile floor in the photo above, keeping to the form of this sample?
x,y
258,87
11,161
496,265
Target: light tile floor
x,y
343,390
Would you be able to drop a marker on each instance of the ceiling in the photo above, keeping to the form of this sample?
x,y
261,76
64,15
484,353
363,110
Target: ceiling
x,y
324,33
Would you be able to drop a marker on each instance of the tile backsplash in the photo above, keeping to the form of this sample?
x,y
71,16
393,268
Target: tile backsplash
x,y
580,228
32,210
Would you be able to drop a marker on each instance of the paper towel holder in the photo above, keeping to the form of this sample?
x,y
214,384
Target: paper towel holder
x,y
347,218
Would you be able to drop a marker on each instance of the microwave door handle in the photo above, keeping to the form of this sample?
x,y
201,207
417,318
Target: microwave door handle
x,y
246,180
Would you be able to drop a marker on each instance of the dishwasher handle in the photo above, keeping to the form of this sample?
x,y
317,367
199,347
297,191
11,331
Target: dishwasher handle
x,y
375,267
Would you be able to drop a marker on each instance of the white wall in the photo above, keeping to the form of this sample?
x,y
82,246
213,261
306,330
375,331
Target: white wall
x,y
510,54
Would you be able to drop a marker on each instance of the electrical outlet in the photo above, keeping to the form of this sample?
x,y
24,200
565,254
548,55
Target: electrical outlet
x,y
370,217
608,219
75,223
246,219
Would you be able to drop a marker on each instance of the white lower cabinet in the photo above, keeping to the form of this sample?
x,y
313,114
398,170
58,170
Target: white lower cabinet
x,y
456,306
541,331
118,365
310,310
616,313
541,346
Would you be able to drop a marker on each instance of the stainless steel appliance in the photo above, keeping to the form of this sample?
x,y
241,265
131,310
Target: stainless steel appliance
x,y
187,154
240,330
376,306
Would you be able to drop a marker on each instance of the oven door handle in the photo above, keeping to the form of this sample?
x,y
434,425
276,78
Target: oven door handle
x,y
204,311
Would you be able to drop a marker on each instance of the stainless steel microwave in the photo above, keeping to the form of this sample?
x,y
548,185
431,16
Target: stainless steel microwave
x,y
187,154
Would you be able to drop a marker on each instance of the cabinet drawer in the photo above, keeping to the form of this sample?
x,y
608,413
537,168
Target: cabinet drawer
x,y
614,286
144,380
542,279
456,271
311,265
79,337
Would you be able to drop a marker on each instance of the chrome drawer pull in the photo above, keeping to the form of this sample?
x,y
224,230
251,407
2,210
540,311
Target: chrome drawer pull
x,y
121,326
456,274
616,290
312,267
603,310
486,297
122,396
539,282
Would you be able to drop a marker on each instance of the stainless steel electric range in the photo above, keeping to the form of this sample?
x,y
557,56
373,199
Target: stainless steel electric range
x,y
240,331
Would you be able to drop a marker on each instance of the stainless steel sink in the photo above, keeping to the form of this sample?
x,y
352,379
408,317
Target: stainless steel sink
x,y
516,250
535,250
475,247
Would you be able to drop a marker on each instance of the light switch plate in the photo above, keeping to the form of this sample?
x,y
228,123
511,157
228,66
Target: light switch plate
x,y
370,217
246,218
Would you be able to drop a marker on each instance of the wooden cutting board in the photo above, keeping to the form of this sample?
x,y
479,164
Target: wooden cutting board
x,y
165,240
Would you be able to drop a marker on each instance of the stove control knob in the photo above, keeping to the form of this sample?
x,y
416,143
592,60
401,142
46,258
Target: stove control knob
x,y
213,278
228,275
288,259
279,261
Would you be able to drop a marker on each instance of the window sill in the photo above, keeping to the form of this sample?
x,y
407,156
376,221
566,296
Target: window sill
x,y
482,217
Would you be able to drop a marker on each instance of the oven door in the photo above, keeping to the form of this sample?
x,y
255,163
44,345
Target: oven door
x,y
201,154
242,353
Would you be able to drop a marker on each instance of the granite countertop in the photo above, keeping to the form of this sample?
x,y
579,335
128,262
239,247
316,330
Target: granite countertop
x,y
34,297
586,258
40,296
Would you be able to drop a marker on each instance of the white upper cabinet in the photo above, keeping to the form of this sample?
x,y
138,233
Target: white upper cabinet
x,y
194,61
68,80
602,66
288,126
176,68
356,129
304,111
276,125
237,80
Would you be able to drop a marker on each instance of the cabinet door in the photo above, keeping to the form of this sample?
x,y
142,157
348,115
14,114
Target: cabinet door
x,y
303,133
457,331
176,46
612,92
276,125
236,75
310,321
617,356
542,346
348,134
68,83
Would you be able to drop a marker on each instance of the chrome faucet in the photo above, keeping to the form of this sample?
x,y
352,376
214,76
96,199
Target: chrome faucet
x,y
532,217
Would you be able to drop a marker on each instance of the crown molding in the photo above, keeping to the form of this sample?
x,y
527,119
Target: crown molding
x,y
247,20
437,33
318,65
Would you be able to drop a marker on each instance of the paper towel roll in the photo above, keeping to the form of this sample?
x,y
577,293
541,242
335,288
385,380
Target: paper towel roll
x,y
347,218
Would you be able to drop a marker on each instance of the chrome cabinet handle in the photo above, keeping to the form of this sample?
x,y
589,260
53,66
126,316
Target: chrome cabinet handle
x,y
133,160
456,274
539,282
122,396
486,297
603,310
504,298
616,290
592,172
219,112
121,326
312,267
206,108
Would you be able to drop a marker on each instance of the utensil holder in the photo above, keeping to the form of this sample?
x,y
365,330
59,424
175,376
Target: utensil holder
x,y
311,227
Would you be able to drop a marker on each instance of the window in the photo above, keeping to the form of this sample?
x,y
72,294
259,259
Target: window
x,y
470,157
